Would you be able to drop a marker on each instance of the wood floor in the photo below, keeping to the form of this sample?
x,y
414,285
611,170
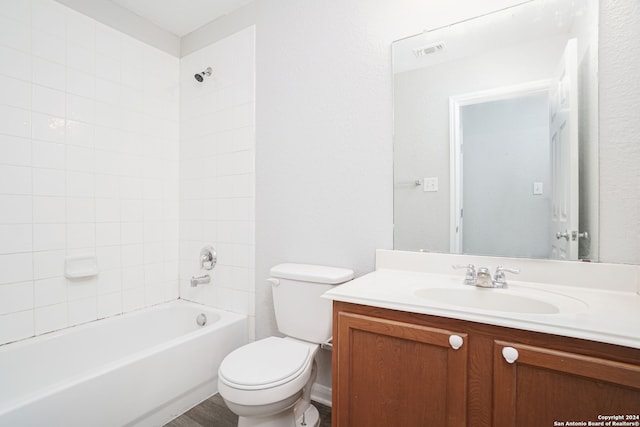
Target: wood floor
x,y
214,413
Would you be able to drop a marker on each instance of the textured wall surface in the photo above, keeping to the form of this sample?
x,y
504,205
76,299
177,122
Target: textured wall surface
x,y
620,131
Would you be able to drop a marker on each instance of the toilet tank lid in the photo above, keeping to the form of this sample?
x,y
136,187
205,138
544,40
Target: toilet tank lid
x,y
312,273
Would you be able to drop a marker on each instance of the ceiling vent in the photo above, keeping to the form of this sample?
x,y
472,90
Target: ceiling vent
x,y
429,49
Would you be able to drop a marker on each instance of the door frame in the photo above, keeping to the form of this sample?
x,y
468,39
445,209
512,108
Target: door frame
x,y
456,102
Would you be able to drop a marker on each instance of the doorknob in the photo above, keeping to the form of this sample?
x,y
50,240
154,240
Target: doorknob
x,y
563,235
575,235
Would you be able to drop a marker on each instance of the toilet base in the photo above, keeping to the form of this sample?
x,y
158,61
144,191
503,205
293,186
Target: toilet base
x,y
309,418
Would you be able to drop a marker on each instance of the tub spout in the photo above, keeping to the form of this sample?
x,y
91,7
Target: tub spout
x,y
200,280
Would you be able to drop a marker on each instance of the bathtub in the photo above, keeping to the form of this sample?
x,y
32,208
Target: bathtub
x,y
139,369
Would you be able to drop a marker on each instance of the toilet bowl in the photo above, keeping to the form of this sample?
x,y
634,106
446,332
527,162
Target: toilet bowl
x,y
268,383
265,382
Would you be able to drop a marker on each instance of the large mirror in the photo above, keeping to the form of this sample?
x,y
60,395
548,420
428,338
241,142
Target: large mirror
x,y
496,134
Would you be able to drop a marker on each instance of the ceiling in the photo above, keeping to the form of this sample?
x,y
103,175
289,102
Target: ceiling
x,y
181,17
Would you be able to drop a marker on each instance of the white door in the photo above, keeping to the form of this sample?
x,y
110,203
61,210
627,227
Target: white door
x,y
563,127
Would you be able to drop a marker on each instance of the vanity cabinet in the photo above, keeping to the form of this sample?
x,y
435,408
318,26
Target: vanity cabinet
x,y
398,368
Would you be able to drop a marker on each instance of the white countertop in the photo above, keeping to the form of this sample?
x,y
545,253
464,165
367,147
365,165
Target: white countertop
x,y
609,316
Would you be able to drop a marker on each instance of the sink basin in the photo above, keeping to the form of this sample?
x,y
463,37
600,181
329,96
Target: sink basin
x,y
492,299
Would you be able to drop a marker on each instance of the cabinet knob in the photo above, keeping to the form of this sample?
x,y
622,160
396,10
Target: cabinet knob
x,y
455,341
510,354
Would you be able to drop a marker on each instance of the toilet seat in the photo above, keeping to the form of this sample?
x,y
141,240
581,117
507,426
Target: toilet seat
x,y
266,363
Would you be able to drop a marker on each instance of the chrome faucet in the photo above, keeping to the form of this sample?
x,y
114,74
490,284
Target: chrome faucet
x,y
499,278
200,280
482,277
470,278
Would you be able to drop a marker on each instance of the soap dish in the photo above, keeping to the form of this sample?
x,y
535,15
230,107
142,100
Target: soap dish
x,y
79,267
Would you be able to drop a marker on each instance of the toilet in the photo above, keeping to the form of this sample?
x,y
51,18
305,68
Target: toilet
x,y
267,383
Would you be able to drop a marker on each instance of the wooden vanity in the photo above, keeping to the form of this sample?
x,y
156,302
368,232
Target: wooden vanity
x,y
398,368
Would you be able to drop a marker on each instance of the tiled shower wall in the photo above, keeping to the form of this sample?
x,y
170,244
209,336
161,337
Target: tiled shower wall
x,y
89,132
217,172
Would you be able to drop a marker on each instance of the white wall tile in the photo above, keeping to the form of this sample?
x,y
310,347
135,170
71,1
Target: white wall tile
x,y
17,10
15,179
81,30
81,159
108,41
48,209
16,297
49,17
82,289
132,210
81,83
80,209
48,264
47,128
80,134
16,326
81,235
132,299
107,186
51,318
15,238
48,182
16,268
48,101
49,47
48,155
15,93
109,304
48,73
49,237
109,257
80,108
108,92
15,151
15,63
81,58
50,291
16,209
107,210
15,121
82,164
108,234
109,281
82,311
80,184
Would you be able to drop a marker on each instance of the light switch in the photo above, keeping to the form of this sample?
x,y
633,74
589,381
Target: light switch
x,y
431,184
537,188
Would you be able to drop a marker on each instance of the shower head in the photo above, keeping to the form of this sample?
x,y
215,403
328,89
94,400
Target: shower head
x,y
200,76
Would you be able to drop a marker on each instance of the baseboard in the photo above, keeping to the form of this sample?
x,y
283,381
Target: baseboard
x,y
321,394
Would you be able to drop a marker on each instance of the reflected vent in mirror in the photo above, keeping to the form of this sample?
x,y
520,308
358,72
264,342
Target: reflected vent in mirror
x,y
429,49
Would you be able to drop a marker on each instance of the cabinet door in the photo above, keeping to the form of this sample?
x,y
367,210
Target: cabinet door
x,y
543,387
390,373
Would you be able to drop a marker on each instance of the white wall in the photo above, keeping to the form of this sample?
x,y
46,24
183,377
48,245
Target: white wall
x,y
619,62
88,149
217,172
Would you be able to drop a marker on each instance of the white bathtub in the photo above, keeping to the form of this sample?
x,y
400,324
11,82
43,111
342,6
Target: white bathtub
x,y
142,368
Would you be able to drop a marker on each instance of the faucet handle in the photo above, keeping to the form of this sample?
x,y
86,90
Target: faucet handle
x,y
500,279
470,278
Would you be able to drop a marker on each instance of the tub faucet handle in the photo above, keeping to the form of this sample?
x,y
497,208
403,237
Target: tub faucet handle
x,y
208,258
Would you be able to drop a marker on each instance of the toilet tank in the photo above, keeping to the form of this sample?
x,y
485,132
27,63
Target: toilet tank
x,y
300,311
